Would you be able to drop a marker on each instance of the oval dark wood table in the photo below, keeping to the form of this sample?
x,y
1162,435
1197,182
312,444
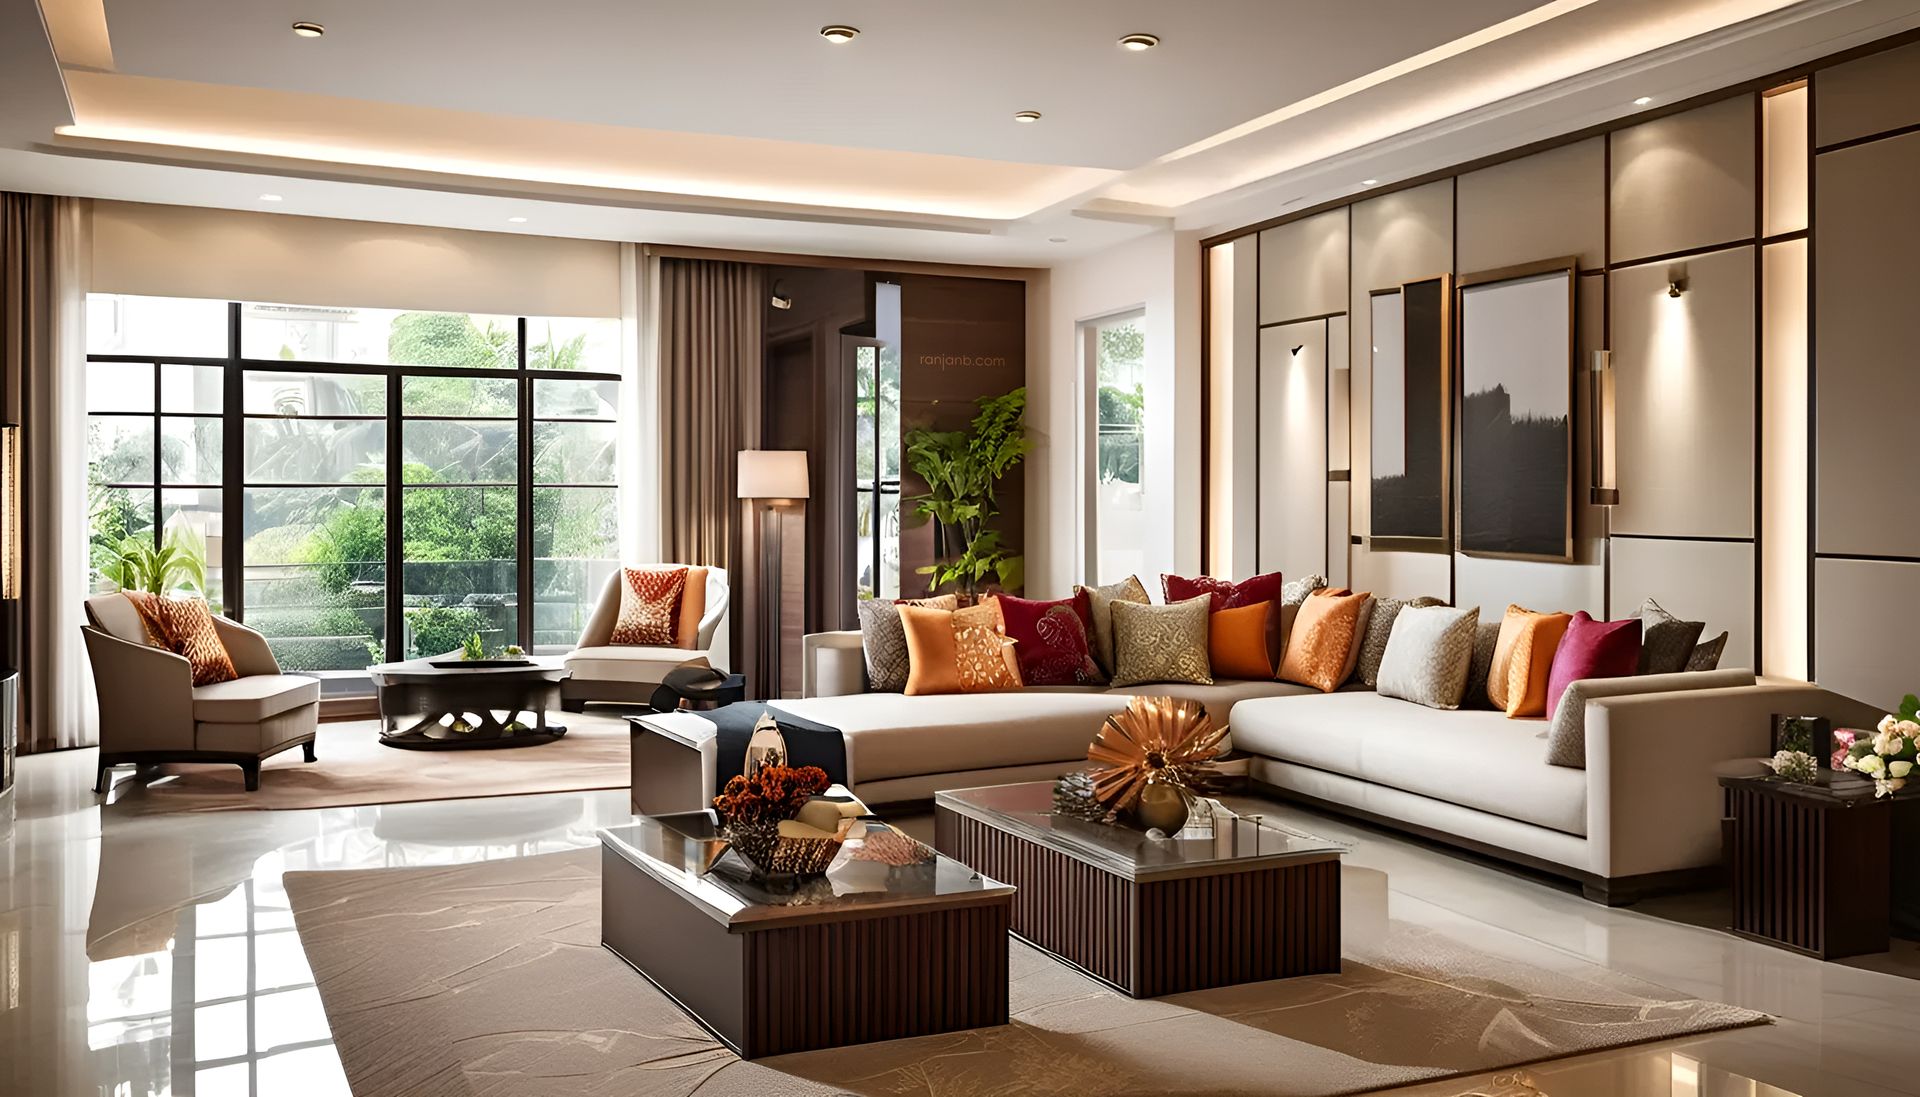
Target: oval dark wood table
x,y
456,706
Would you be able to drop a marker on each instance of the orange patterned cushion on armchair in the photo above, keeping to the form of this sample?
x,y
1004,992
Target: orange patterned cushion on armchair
x,y
649,606
184,626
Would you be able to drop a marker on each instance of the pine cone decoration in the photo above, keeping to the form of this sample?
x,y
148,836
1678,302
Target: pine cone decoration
x,y
1164,739
1073,797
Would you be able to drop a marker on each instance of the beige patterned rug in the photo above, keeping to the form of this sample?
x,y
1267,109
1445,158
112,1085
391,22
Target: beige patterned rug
x,y
489,979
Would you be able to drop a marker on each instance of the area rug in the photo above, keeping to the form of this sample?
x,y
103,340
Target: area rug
x,y
489,979
354,769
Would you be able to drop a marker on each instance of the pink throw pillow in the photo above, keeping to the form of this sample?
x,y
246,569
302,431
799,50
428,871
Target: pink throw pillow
x,y
1593,649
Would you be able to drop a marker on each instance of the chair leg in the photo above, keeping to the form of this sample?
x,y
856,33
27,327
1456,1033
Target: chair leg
x,y
100,777
306,749
571,705
251,771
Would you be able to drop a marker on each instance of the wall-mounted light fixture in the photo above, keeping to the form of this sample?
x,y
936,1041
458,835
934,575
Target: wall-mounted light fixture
x,y
1604,490
780,300
1676,287
1296,350
9,512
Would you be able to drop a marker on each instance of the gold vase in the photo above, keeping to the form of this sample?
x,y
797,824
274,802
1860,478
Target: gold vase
x,y
1162,806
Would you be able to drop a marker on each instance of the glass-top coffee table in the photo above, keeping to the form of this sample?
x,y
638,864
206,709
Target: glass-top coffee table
x,y
879,952
1231,899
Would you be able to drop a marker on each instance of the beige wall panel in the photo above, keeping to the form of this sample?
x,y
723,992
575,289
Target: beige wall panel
x,y
1542,206
1861,649
1866,327
1337,545
1397,238
1784,186
1785,561
1234,336
1686,397
186,251
1710,581
1684,181
1875,94
1293,449
1303,268
1494,584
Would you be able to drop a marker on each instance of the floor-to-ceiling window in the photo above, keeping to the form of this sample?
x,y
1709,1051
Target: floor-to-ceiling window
x,y
1114,349
876,471
469,457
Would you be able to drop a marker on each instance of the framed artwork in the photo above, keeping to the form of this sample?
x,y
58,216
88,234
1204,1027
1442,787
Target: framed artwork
x,y
1411,482
1516,412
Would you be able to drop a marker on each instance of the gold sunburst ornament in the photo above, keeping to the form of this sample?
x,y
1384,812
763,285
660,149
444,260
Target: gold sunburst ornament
x,y
1157,740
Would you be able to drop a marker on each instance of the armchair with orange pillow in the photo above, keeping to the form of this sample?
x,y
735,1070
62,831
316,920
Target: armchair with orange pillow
x,y
649,619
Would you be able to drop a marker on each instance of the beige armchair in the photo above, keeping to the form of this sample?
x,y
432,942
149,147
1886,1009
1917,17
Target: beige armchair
x,y
629,673
150,710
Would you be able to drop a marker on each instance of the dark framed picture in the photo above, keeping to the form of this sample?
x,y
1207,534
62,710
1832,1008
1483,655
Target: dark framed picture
x,y
1411,441
1516,349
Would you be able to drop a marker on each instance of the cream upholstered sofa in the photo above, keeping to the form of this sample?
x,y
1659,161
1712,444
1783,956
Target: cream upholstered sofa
x,y
1642,816
150,710
629,673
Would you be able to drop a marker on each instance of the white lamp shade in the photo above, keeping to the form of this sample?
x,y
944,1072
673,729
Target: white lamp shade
x,y
773,474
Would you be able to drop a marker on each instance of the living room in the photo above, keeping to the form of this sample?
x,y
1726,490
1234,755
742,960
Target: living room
x,y
1274,548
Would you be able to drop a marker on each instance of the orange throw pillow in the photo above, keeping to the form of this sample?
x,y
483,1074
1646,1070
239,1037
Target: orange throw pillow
x,y
649,606
184,626
1522,660
1237,641
958,651
1325,642
693,606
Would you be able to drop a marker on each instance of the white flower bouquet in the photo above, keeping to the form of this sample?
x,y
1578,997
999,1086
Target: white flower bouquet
x,y
1889,754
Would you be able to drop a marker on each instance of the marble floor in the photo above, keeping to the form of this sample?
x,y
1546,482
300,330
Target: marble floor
x,y
154,954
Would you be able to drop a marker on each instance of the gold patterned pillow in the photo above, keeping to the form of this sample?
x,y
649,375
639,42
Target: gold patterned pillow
x,y
982,653
184,626
1161,643
649,606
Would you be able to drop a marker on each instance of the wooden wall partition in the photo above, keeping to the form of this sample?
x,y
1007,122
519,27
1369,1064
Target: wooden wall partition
x,y
1742,255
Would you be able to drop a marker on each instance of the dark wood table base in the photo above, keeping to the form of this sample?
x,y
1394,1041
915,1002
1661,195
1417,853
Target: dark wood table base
x,y
1159,936
1809,875
433,697
880,975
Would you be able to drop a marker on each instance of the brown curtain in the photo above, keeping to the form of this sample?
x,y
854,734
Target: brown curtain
x,y
711,351
44,245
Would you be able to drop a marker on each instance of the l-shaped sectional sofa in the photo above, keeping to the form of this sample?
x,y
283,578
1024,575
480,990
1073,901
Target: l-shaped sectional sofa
x,y
1642,815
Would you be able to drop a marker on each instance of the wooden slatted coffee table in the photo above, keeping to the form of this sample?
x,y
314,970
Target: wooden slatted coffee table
x,y
1245,900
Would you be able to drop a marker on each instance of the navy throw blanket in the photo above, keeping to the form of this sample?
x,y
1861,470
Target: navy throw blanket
x,y
808,743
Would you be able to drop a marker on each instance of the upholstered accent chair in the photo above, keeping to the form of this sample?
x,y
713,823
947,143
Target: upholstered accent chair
x,y
150,710
629,673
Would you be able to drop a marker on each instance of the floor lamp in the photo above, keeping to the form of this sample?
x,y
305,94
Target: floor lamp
x,y
776,481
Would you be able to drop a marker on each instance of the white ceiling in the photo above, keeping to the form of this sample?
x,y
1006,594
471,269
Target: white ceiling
x,y
731,123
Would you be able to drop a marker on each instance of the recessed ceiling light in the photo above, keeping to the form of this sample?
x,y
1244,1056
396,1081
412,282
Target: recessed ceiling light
x,y
839,35
306,29
1643,100
269,198
516,220
1369,182
1027,116
1140,42
1056,239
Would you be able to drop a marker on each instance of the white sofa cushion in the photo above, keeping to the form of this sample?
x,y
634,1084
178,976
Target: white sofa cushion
x,y
1480,760
627,662
890,735
253,699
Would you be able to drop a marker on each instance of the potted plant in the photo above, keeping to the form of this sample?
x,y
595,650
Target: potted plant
x,y
137,564
962,468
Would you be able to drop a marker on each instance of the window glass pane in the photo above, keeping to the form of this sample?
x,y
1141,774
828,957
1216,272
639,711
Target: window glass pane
x,y
316,451
472,396
316,574
889,544
119,386
863,543
301,333
161,326
576,538
190,518
190,449
115,515
460,546
888,416
461,451
265,393
563,342
120,448
573,453
1119,499
575,399
192,388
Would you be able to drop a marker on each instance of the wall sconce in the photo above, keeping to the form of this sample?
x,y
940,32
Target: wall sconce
x,y
1604,490
1296,351
780,300
1676,287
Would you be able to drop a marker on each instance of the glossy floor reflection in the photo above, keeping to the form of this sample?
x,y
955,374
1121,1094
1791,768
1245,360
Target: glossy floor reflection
x,y
154,954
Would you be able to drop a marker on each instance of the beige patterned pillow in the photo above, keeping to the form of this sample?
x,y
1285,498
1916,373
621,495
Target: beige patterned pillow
x,y
1428,655
1102,600
883,639
1161,643
1295,592
1379,627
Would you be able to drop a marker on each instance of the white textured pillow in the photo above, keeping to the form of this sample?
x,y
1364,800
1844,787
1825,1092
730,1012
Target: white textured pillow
x,y
1428,655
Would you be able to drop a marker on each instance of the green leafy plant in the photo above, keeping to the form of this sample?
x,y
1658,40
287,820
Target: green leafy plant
x,y
474,649
180,561
962,469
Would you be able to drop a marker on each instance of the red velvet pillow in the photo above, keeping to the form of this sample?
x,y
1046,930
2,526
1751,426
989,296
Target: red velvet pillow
x,y
1226,594
1050,640
1593,649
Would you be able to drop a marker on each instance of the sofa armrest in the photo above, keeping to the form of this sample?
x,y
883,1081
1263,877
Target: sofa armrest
x,y
833,664
1653,804
145,695
248,649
